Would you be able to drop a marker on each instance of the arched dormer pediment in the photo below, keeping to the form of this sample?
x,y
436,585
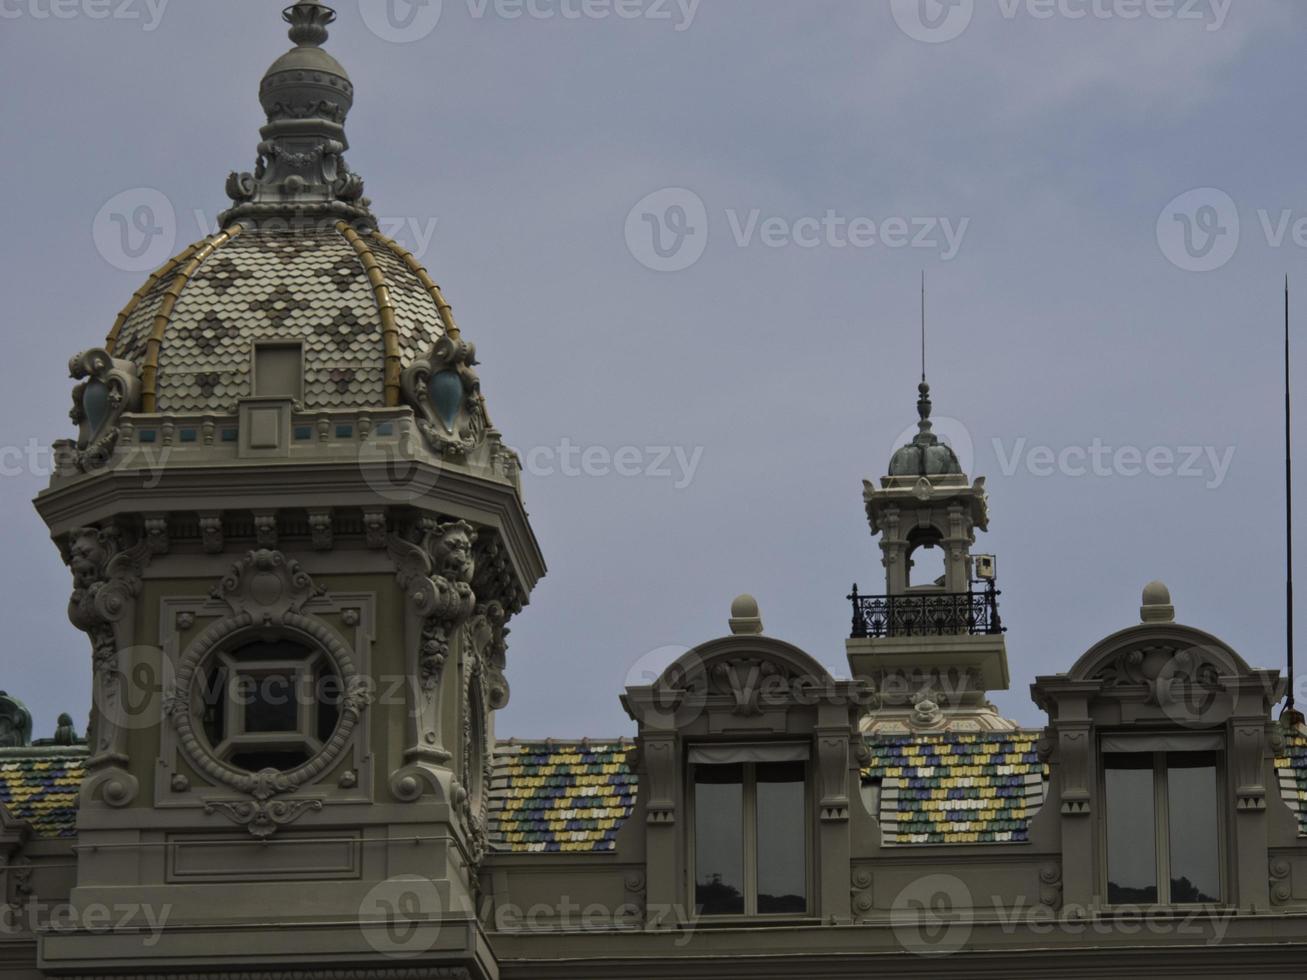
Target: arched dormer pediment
x,y
741,683
1143,651
1165,673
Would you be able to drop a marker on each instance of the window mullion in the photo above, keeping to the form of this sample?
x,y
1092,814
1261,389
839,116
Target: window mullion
x,y
750,839
1162,831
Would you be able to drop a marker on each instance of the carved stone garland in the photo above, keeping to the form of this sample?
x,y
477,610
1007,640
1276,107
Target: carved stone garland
x,y
108,388
265,589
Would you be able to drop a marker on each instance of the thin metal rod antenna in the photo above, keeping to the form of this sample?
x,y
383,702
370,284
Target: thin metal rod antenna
x,y
923,326
1289,708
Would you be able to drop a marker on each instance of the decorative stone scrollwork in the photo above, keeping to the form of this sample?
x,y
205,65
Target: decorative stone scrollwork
x,y
445,392
15,723
660,767
1050,886
265,590
862,890
1184,681
636,887
1248,746
262,818
436,575
471,796
320,526
1281,881
106,582
156,534
1074,750
108,388
833,768
211,533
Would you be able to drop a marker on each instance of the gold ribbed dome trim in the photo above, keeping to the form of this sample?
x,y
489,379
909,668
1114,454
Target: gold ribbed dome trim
x,y
389,328
160,274
446,311
150,370
438,297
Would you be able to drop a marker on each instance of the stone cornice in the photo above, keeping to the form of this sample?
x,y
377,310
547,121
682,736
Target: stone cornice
x,y
300,485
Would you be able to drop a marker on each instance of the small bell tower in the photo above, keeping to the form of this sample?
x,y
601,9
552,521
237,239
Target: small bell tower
x,y
933,648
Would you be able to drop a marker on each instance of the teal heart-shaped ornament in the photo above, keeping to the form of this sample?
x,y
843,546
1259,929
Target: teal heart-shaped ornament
x,y
95,403
446,390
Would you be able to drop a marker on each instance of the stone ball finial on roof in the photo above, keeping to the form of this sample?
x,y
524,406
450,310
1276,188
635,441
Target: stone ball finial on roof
x,y
746,620
1157,607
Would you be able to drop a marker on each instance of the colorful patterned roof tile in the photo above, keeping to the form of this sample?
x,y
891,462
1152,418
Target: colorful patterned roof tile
x,y
980,788
41,787
1291,766
571,797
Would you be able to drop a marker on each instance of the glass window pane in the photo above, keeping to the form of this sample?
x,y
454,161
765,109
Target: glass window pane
x,y
1193,802
719,839
782,843
269,702
1131,829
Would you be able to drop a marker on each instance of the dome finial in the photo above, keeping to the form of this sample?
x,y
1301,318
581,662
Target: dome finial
x,y
301,176
923,389
308,22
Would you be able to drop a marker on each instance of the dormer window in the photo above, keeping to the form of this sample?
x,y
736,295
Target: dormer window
x,y
1163,825
750,832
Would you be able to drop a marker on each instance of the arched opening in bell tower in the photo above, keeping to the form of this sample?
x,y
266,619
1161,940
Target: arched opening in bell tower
x,y
925,561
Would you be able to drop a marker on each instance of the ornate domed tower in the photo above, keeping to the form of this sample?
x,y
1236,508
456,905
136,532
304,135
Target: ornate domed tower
x,y
296,541
933,648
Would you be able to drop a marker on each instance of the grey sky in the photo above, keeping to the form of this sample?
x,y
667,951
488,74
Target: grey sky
x,y
1052,143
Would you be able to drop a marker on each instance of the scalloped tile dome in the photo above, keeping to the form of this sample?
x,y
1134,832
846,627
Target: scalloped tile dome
x,y
313,288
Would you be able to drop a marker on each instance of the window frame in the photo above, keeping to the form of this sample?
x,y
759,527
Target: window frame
x,y
264,346
749,807
303,673
1162,827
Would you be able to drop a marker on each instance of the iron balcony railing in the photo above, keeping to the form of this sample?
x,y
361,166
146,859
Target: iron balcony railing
x,y
926,614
